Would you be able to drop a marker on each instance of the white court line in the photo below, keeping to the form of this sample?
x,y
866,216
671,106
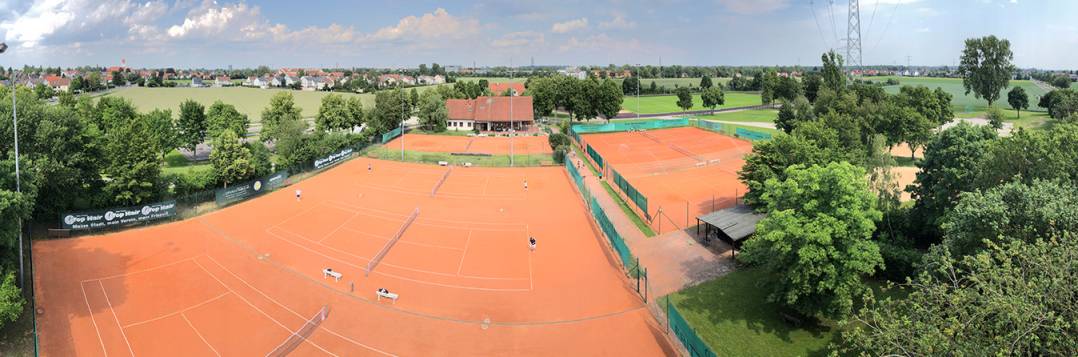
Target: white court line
x,y
402,241
303,212
466,243
467,224
122,333
200,335
181,311
140,271
354,215
484,196
92,319
290,332
293,311
278,236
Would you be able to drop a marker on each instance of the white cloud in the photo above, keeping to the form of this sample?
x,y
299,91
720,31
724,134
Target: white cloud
x,y
74,20
436,25
227,22
619,22
600,42
569,26
519,39
755,6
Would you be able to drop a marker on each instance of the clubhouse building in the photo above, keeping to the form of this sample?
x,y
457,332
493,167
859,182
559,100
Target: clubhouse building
x,y
490,113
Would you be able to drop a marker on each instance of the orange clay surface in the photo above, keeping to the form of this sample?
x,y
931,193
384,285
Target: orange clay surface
x,y
494,145
238,281
670,178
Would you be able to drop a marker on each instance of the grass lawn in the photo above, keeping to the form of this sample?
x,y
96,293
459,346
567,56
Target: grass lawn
x,y
753,116
384,153
1029,120
637,221
672,82
961,102
250,101
189,169
668,103
731,314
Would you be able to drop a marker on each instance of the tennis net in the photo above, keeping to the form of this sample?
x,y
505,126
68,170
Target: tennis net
x,y
434,190
300,335
385,249
673,146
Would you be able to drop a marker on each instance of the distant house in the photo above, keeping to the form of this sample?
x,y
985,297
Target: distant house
x,y
430,80
261,82
490,113
71,73
393,79
312,83
196,82
222,81
501,88
573,72
58,82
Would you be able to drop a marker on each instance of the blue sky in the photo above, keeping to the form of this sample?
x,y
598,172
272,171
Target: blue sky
x,y
192,33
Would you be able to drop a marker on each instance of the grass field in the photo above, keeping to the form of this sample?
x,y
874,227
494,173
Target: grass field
x,y
748,116
731,314
668,103
661,82
963,103
250,101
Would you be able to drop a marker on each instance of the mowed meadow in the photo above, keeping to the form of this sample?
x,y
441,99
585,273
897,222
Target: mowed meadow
x,y
250,101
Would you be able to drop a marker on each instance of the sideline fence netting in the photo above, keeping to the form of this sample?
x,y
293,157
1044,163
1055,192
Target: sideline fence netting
x,y
595,156
301,334
617,126
630,263
392,134
396,237
685,333
747,134
631,193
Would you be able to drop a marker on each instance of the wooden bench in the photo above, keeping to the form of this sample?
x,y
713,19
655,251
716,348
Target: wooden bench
x,y
387,295
327,272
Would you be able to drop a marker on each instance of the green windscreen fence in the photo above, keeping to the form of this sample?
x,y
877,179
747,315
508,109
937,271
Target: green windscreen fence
x,y
617,126
595,156
710,125
752,135
635,196
612,234
577,178
392,134
686,334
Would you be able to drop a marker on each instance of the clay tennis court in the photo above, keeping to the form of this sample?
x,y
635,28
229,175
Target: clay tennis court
x,y
685,171
494,145
241,280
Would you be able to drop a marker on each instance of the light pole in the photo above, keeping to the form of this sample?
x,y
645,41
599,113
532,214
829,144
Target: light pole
x,y
18,180
637,92
400,83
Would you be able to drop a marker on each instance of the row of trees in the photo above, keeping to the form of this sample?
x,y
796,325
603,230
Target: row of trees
x,y
982,253
582,98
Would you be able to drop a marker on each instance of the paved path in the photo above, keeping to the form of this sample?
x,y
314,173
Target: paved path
x,y
674,260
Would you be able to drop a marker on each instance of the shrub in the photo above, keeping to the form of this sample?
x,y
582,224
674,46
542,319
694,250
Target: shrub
x,y
557,140
559,154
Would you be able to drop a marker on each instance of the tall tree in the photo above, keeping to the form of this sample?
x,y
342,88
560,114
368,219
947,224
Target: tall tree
x,y
388,111
986,67
705,82
133,169
769,160
684,98
221,117
790,114
356,114
833,77
630,86
713,97
812,82
1018,99
1012,300
608,99
948,169
165,136
282,108
192,124
815,242
333,114
432,112
231,160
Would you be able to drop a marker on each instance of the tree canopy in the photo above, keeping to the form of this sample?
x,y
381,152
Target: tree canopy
x,y
986,67
282,108
815,242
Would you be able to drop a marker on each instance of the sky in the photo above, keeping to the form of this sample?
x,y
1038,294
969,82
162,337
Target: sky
x,y
395,34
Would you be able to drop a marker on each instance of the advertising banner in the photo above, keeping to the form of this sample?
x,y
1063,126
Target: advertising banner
x,y
118,216
333,158
242,191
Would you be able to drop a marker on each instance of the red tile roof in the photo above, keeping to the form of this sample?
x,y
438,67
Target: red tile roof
x,y
490,109
499,88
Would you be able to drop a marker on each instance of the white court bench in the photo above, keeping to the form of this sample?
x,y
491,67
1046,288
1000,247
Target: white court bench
x,y
327,272
387,295
443,163
467,164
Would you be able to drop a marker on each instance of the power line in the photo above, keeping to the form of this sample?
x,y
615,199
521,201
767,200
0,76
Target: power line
x,y
823,38
873,18
890,20
834,25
